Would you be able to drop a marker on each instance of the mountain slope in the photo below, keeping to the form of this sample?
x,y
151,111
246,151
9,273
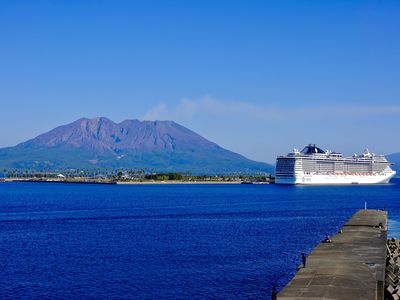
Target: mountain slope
x,y
101,143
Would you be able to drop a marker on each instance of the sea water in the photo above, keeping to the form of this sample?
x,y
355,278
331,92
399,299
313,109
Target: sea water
x,y
168,241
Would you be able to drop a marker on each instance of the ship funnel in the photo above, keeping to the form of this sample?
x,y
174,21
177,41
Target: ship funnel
x,y
367,153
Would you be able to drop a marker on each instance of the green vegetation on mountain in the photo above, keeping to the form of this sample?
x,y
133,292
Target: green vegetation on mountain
x,y
99,143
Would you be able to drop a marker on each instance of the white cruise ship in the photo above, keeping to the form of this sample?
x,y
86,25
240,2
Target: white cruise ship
x,y
312,165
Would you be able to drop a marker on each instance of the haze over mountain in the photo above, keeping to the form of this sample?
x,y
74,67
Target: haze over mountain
x,y
100,143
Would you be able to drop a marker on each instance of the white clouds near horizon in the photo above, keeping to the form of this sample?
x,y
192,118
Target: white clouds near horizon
x,y
262,131
187,109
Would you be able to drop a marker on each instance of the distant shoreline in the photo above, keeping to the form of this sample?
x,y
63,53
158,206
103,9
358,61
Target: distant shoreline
x,y
175,182
57,181
150,182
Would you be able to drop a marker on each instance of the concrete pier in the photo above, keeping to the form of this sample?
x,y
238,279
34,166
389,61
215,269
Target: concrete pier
x,y
351,266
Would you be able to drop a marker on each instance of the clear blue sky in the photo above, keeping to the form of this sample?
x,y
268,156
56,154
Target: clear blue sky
x,y
257,77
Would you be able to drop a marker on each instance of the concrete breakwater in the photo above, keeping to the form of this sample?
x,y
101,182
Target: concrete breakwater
x,y
350,265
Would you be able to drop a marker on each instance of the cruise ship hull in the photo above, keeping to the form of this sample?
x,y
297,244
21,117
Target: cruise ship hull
x,y
335,179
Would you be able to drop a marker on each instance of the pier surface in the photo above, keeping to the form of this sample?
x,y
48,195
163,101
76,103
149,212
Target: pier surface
x,y
352,266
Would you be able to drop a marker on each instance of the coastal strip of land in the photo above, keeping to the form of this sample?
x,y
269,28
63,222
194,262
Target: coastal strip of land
x,y
350,265
128,182
131,177
176,182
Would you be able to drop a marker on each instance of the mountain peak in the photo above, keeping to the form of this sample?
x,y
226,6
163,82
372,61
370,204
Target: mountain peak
x,y
99,142
95,120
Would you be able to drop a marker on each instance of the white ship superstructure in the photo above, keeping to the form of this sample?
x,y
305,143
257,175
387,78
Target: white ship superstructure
x,y
312,165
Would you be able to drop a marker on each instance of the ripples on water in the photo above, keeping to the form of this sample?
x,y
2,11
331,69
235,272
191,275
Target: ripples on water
x,y
168,241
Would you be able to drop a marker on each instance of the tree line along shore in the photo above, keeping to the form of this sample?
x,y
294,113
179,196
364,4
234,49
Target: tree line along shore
x,y
129,177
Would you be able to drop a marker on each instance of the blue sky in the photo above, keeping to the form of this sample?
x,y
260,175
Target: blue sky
x,y
257,77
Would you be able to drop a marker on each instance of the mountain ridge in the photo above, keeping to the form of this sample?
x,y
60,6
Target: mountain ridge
x,y
101,143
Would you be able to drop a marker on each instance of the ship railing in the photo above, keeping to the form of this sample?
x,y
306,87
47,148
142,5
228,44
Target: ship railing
x,y
343,173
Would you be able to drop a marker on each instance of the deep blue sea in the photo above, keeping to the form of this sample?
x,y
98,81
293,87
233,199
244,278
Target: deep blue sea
x,y
168,241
